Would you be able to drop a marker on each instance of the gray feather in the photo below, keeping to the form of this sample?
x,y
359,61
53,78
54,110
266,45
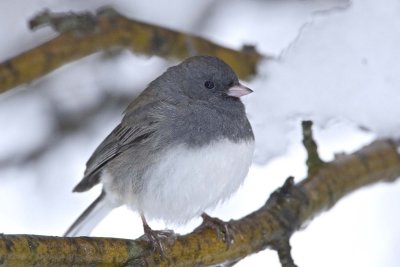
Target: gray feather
x,y
173,112
176,108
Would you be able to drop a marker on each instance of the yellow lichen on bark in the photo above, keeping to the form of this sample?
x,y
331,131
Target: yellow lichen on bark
x,y
287,209
111,31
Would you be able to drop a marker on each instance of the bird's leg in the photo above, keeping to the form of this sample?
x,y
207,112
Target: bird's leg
x,y
156,238
218,225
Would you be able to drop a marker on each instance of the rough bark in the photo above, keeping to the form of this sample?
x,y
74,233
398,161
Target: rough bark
x,y
84,34
287,209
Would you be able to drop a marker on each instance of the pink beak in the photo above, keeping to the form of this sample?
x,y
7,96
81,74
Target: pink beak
x,y
239,90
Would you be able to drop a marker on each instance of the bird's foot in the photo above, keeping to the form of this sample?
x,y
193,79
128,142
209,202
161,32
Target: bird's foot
x,y
157,238
223,229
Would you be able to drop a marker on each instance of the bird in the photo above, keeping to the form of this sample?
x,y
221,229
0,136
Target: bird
x,y
183,145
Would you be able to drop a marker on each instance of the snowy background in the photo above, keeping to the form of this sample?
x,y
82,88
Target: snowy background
x,y
336,62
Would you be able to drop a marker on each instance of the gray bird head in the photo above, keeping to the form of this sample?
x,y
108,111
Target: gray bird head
x,y
206,78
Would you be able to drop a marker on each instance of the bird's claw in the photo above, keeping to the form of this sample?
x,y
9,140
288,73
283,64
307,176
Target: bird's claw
x,y
157,239
223,229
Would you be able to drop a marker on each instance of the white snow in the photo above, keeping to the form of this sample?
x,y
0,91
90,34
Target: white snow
x,y
336,62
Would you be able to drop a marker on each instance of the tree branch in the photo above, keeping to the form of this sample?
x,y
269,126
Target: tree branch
x,y
84,34
287,209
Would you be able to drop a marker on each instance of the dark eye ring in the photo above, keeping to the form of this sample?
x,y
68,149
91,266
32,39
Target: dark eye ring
x,y
209,84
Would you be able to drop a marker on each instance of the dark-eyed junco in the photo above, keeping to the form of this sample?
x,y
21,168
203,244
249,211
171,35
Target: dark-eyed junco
x,y
183,145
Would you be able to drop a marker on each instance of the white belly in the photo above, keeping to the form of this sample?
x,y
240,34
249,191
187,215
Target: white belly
x,y
187,181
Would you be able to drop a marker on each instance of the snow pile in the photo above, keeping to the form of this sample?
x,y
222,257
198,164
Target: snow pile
x,y
344,65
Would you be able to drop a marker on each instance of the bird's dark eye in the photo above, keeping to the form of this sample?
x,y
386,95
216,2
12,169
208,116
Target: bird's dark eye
x,y
209,84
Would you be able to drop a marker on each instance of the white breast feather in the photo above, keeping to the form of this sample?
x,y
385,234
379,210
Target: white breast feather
x,y
187,181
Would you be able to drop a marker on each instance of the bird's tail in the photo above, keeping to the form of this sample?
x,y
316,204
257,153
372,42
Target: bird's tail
x,y
90,217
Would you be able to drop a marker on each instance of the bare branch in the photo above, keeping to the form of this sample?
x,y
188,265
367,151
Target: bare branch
x,y
84,34
313,161
287,209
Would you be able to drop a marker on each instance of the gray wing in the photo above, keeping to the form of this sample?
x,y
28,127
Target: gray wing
x,y
137,125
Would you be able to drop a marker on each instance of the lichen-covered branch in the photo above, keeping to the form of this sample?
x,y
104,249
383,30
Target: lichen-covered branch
x,y
84,34
287,209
